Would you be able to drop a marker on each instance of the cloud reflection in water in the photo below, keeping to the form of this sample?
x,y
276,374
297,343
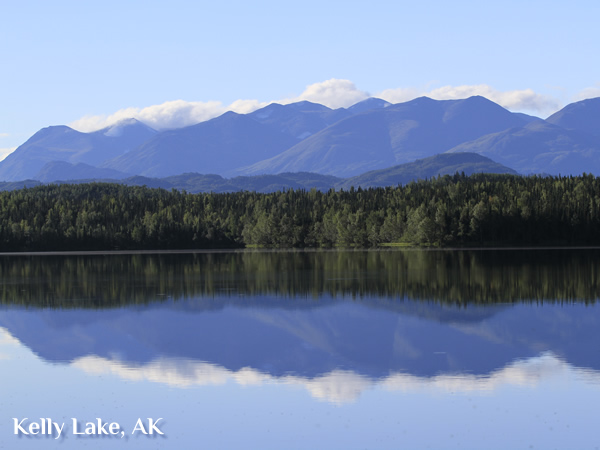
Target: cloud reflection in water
x,y
338,386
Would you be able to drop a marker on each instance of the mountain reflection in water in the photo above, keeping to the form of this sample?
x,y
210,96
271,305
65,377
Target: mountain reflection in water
x,y
333,323
338,386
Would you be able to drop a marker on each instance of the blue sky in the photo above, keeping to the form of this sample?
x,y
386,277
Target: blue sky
x,y
174,63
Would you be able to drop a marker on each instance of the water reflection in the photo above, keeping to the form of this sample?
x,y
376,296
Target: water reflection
x,y
105,281
336,351
333,323
340,386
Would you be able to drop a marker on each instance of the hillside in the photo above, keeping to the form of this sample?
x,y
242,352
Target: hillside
x,y
306,137
581,116
540,147
444,164
384,137
61,143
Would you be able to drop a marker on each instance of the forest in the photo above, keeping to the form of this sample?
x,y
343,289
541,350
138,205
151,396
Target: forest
x,y
458,211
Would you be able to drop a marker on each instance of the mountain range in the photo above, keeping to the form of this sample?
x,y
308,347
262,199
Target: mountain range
x,y
443,164
306,137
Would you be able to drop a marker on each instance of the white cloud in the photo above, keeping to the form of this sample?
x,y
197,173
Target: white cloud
x,y
246,106
590,92
168,115
400,95
4,152
3,135
172,114
334,93
517,100
179,113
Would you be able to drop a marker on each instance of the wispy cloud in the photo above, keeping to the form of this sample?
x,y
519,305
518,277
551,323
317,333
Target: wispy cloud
x,y
590,92
3,135
179,113
4,152
338,386
172,114
334,93
515,100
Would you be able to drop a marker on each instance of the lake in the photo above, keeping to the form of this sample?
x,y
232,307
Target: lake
x,y
303,349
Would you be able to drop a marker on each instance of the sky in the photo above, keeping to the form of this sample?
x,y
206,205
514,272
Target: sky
x,y
172,64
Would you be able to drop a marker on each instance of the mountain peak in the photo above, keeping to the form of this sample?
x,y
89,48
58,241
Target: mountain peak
x,y
267,111
53,129
227,114
123,126
581,116
368,104
306,106
305,136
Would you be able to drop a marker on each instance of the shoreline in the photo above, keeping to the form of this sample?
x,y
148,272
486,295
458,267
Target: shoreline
x,y
281,250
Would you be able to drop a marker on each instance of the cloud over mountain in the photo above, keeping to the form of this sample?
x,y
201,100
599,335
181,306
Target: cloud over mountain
x,y
172,114
334,93
590,92
516,100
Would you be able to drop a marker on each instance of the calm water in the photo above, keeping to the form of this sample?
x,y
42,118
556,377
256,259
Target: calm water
x,y
359,349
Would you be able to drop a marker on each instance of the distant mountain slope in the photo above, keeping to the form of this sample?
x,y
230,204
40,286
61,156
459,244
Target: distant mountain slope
x,y
580,116
14,185
527,118
214,146
299,120
61,143
62,170
387,136
194,182
306,137
368,105
539,147
444,164
231,141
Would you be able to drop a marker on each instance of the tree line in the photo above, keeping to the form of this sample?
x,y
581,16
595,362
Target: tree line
x,y
459,210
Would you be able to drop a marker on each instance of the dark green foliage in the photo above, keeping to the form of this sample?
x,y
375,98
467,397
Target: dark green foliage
x,y
488,210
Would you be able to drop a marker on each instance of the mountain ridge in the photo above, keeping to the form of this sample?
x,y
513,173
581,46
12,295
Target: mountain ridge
x,y
308,137
581,116
539,147
62,143
396,134
442,164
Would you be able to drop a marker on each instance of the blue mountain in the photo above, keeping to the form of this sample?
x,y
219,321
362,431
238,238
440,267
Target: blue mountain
x,y
308,137
61,143
396,134
540,147
580,116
